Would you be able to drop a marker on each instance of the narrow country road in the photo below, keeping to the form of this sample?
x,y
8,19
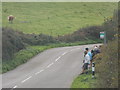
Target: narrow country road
x,y
53,68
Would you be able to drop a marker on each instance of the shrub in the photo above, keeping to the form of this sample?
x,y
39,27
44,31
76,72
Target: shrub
x,y
107,66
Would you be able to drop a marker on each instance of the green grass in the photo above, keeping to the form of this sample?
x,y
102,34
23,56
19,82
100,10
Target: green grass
x,y
26,54
84,81
58,18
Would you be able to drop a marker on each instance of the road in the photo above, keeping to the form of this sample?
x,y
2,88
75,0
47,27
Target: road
x,y
53,68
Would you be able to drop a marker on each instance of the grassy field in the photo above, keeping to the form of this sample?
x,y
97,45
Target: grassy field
x,y
55,18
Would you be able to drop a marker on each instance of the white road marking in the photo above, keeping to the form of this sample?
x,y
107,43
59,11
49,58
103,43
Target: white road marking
x,y
64,53
15,86
50,65
39,72
57,58
26,79
72,49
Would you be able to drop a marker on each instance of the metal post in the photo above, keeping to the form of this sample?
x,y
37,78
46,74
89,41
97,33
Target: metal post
x,y
105,38
93,70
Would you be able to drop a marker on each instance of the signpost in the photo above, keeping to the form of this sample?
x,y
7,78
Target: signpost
x,y
103,36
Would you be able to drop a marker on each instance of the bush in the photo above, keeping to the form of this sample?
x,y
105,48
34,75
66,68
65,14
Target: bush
x,y
107,66
12,43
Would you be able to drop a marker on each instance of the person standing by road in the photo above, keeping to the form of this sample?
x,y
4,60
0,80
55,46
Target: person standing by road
x,y
90,53
86,62
96,49
86,51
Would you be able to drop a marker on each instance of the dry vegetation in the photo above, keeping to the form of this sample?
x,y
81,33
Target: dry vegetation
x,y
107,66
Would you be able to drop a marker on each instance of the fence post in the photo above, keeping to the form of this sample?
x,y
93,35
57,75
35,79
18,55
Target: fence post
x,y
93,70
105,38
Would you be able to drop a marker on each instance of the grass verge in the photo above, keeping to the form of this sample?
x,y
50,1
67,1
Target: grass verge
x,y
84,81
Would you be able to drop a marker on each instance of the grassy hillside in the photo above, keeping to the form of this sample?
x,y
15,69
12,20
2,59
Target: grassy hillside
x,y
55,18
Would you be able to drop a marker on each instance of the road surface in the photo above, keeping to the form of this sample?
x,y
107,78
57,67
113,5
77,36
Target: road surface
x,y
53,68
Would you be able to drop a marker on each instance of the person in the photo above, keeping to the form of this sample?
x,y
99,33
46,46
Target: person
x,y
86,62
90,53
86,51
10,18
99,49
93,53
95,49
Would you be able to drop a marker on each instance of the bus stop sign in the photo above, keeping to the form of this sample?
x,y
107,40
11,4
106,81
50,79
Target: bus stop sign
x,y
102,35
